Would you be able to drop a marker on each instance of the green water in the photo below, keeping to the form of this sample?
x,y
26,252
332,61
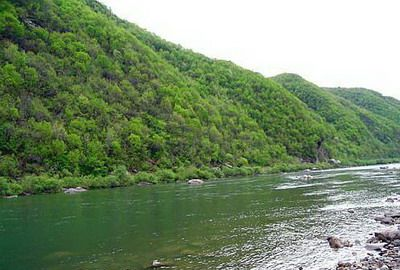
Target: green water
x,y
266,222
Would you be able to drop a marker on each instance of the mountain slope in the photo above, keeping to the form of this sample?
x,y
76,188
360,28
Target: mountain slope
x,y
361,132
83,92
370,100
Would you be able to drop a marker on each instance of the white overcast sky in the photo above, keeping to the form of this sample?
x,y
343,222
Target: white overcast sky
x,y
344,43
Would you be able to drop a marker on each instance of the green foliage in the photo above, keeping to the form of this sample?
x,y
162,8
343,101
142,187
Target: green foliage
x,y
8,188
363,132
145,177
85,95
41,184
166,175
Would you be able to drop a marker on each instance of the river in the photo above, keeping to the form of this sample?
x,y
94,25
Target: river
x,y
265,222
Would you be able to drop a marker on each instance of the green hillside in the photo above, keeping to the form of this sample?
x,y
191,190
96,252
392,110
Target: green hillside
x,y
84,93
370,100
361,131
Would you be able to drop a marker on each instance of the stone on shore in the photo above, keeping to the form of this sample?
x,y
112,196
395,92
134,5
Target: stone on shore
x,y
335,242
195,182
74,190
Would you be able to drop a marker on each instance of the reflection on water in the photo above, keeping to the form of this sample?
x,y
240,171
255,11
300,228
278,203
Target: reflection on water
x,y
267,222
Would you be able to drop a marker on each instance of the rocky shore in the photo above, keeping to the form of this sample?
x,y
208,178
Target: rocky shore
x,y
384,246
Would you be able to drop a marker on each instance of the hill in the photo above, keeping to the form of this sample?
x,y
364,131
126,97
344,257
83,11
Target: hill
x,y
84,93
363,131
370,100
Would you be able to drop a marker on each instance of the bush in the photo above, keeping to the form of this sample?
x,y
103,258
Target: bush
x,y
9,166
145,177
70,182
166,175
186,173
9,188
122,175
41,184
205,173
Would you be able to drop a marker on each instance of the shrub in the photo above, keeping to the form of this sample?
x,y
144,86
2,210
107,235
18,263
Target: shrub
x,y
186,173
145,177
8,188
122,176
41,184
166,175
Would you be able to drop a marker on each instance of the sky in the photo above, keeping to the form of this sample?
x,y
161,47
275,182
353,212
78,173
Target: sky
x,y
347,43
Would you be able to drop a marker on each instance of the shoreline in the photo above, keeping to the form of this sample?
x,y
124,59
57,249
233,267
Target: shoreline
x,y
47,184
383,247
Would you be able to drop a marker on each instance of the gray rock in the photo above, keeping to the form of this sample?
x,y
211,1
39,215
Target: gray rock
x,y
158,264
74,190
374,247
335,242
388,235
195,182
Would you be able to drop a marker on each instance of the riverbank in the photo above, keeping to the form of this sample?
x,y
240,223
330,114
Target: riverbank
x,y
384,246
44,184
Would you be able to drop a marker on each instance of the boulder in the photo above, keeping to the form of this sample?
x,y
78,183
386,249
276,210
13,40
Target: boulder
x,y
158,264
334,161
74,190
335,242
385,220
390,200
195,182
374,247
388,235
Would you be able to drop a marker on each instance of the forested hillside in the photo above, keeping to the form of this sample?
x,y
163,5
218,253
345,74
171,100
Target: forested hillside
x,y
361,131
85,93
375,102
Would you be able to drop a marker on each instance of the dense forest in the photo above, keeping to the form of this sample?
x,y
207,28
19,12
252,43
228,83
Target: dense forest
x,y
86,95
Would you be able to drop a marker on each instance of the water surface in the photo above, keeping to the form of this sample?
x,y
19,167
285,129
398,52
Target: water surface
x,y
266,222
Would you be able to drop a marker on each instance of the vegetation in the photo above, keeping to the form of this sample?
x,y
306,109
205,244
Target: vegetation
x,y
361,132
88,99
375,102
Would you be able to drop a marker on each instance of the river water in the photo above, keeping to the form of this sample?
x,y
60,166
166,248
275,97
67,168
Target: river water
x,y
265,222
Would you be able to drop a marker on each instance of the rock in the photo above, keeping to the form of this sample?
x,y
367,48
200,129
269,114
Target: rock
x,y
388,235
11,197
385,220
158,264
392,214
335,161
144,184
335,242
374,247
390,200
396,243
306,177
384,167
74,190
195,182
351,211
